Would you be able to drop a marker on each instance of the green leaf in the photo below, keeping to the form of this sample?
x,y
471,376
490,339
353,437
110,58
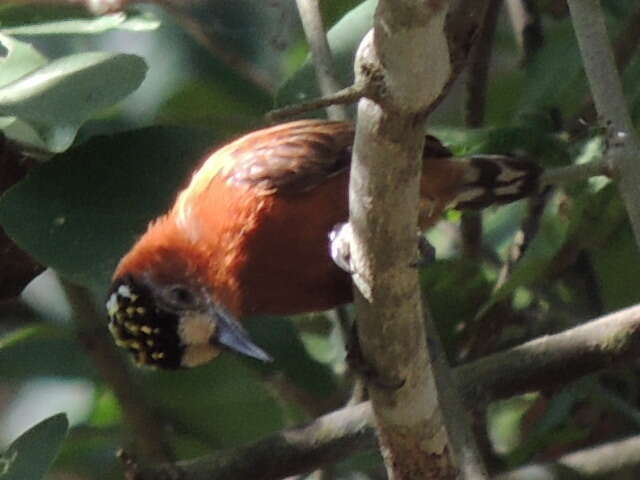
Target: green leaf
x,y
617,266
85,207
12,338
56,99
216,104
548,149
20,59
137,22
279,337
344,39
31,454
43,350
225,402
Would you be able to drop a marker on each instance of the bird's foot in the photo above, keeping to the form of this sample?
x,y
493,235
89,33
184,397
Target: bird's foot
x,y
426,253
340,247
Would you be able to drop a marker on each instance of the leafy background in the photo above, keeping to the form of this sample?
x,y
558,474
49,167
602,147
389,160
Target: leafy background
x,y
111,136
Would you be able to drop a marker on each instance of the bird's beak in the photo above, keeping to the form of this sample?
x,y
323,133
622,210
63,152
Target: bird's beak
x,y
230,333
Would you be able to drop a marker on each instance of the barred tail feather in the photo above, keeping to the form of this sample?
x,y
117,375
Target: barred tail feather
x,y
496,179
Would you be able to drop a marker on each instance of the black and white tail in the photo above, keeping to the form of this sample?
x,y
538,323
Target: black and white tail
x,y
496,179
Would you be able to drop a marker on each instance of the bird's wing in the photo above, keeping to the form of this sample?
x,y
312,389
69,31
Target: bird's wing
x,y
293,157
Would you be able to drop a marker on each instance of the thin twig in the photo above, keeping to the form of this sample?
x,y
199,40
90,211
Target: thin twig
x,y
471,229
527,27
624,48
194,27
479,63
311,18
148,436
524,236
347,95
477,82
623,149
575,173
469,460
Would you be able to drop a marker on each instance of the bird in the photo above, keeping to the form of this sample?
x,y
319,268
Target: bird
x,y
251,235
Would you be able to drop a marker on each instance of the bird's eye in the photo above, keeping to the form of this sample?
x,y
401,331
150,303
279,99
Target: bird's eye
x,y
181,297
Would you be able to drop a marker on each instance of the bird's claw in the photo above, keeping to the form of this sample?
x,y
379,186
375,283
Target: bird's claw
x,y
426,253
340,247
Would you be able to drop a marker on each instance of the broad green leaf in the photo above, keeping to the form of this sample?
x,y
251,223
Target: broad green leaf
x,y
56,99
86,206
279,337
216,104
31,454
42,350
137,22
88,452
344,39
224,402
20,59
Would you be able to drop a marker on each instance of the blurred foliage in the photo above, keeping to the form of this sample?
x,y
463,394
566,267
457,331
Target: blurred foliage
x,y
29,457
105,166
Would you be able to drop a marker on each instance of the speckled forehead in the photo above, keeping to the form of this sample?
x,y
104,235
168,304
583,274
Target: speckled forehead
x,y
123,291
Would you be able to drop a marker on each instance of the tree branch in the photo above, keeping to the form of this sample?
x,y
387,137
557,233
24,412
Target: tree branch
x,y
625,46
345,96
610,460
147,432
293,451
544,363
553,360
623,143
383,201
475,106
321,54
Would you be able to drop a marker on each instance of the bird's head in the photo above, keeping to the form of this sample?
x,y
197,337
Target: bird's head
x,y
166,316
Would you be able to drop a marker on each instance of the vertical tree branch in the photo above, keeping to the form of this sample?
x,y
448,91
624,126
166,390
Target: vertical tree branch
x,y
477,80
321,54
527,27
623,149
383,202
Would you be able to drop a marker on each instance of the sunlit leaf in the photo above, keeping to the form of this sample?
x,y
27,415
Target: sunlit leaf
x,y
57,98
20,59
137,22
